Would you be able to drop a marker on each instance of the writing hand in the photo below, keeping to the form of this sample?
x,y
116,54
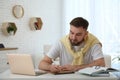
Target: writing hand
x,y
55,68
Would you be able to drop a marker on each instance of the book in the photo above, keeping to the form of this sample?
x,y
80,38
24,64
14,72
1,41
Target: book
x,y
97,71
63,72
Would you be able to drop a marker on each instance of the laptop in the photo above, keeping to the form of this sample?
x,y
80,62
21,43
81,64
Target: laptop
x,y
22,64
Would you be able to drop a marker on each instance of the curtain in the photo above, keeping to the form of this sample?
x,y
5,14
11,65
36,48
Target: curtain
x,y
103,17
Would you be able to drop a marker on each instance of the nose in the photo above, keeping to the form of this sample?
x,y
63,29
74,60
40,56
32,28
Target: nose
x,y
74,37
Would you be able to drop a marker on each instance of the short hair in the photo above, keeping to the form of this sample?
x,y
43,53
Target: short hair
x,y
80,22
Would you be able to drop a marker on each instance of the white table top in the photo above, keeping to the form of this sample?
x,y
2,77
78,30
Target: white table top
x,y
7,75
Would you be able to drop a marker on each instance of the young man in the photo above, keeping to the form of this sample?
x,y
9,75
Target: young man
x,y
77,50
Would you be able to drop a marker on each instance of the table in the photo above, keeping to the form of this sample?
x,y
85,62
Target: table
x,y
7,75
117,74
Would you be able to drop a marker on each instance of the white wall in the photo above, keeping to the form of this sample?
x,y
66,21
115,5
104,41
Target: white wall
x,y
27,40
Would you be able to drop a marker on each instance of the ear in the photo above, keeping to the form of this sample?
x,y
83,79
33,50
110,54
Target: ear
x,y
86,34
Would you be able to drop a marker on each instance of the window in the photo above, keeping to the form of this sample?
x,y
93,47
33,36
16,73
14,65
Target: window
x,y
103,17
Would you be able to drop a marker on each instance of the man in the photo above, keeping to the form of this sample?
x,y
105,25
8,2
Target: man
x,y
77,50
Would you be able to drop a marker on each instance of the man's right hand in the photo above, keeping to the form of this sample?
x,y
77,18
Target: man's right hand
x,y
55,68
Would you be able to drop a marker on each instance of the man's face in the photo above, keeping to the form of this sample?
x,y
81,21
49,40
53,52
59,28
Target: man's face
x,y
77,35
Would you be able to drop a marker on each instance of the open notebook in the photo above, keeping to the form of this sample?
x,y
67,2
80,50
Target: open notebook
x,y
22,64
97,71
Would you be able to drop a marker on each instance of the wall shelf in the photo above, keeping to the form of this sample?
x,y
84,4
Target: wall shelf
x,y
9,28
36,23
3,49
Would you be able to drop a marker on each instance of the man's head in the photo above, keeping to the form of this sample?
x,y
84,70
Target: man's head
x,y
78,30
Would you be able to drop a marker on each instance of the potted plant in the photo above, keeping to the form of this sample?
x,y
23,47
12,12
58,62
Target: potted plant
x,y
117,58
116,62
11,29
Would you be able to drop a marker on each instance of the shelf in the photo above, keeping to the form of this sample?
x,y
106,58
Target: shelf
x,y
3,49
36,23
9,28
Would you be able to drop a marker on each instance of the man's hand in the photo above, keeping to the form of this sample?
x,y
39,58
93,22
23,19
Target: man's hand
x,y
55,68
59,69
71,68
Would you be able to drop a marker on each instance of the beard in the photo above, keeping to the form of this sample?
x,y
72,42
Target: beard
x,y
75,42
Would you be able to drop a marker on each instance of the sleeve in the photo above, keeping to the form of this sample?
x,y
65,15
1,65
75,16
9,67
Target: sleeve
x,y
97,51
54,52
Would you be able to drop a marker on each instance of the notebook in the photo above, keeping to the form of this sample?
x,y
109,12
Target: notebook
x,y
22,64
97,71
